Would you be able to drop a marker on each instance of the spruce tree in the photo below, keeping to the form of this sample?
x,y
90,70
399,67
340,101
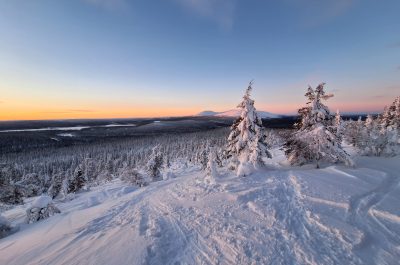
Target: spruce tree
x,y
315,139
247,141
390,128
155,163
77,181
338,126
211,169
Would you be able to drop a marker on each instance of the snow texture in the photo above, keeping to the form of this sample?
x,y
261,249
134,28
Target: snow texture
x,y
283,215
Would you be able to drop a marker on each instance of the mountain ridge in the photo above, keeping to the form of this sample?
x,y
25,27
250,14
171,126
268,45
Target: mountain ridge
x,y
236,113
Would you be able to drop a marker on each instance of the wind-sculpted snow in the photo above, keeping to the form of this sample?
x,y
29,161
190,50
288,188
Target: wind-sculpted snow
x,y
335,215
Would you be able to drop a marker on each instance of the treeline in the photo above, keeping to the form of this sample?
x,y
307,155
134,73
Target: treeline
x,y
45,170
378,135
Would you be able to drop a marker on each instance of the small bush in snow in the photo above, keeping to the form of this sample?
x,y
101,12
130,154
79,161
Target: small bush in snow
x,y
42,208
133,177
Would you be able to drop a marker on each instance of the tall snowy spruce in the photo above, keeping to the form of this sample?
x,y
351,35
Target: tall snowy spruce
x,y
338,126
390,128
316,139
155,164
247,140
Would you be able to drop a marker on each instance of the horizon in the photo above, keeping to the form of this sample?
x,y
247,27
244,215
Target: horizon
x,y
121,59
362,113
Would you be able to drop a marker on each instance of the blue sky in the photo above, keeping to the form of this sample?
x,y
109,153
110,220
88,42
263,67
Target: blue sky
x,y
127,58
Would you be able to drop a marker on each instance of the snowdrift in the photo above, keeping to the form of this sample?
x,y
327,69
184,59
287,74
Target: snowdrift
x,y
278,215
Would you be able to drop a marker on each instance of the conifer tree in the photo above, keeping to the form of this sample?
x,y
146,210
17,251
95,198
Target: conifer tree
x,y
155,164
211,169
246,142
338,126
77,181
373,139
390,128
315,139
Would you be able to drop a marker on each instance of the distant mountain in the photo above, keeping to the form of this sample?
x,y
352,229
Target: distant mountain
x,y
207,113
236,113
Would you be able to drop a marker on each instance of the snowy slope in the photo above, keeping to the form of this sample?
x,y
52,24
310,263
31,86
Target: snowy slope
x,y
236,113
279,215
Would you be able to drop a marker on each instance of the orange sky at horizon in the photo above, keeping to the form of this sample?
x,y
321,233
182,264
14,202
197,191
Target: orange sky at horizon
x,y
35,112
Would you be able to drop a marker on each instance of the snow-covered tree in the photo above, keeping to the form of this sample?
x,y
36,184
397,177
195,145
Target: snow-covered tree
x,y
41,208
155,164
77,181
370,140
59,186
315,139
391,115
390,128
203,158
211,169
11,194
31,185
378,136
247,141
338,126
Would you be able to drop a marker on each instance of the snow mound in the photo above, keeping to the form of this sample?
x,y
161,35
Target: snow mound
x,y
41,202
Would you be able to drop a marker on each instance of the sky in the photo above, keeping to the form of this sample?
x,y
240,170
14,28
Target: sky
x,y
153,58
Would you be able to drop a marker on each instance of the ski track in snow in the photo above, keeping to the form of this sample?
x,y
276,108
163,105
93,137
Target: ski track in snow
x,y
266,218
361,214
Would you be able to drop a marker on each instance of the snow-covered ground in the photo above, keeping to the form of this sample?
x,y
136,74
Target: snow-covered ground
x,y
278,215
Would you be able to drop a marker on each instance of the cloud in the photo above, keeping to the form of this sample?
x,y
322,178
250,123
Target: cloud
x,y
108,4
220,11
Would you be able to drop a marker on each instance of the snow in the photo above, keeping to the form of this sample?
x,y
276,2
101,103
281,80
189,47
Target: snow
x,y
276,215
4,221
65,134
236,113
41,201
119,125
